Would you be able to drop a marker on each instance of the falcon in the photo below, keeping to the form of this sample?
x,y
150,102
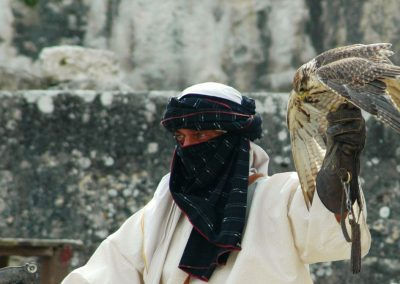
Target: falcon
x,y
358,74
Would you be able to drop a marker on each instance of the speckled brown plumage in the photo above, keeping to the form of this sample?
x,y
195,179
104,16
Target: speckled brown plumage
x,y
359,74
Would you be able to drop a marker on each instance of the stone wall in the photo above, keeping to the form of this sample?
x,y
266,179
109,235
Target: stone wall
x,y
164,45
77,164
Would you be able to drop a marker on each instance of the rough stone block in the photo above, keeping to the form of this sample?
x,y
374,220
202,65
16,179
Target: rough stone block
x,y
80,68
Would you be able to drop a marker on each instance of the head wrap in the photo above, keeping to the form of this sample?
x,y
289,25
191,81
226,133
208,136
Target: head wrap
x,y
209,180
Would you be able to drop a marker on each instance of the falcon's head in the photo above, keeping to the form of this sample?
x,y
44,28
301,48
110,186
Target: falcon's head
x,y
301,80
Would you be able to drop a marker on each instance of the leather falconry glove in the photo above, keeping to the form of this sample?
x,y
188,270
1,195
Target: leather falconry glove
x,y
345,140
337,181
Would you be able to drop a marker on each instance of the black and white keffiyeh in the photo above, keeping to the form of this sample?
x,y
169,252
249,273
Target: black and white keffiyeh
x,y
209,180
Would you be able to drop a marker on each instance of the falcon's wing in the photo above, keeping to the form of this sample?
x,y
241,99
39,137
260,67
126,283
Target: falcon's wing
x,y
307,125
377,52
364,83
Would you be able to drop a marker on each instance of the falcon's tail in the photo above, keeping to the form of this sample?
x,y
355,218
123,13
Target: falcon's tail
x,y
393,88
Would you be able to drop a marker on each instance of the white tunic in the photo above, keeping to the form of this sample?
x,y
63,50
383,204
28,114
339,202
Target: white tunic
x,y
282,237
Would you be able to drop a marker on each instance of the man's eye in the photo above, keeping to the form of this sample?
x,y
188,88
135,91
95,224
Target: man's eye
x,y
179,137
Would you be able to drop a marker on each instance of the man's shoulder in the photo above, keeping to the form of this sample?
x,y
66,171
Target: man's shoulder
x,y
163,186
277,189
287,175
278,181
284,176
165,178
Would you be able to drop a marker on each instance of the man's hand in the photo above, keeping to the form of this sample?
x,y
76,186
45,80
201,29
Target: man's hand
x,y
345,140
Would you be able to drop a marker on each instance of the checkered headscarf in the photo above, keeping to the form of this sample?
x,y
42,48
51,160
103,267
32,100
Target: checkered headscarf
x,y
209,180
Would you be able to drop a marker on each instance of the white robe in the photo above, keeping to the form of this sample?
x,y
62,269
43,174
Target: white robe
x,y
282,237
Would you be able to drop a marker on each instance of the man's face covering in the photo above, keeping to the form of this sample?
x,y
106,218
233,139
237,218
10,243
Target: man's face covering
x,y
209,180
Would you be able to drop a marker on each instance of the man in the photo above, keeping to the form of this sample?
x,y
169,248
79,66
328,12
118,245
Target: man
x,y
218,216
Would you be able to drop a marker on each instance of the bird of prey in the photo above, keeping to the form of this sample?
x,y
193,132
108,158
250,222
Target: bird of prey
x,y
358,74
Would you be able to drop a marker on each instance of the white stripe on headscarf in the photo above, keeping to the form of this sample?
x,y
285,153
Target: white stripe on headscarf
x,y
213,89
